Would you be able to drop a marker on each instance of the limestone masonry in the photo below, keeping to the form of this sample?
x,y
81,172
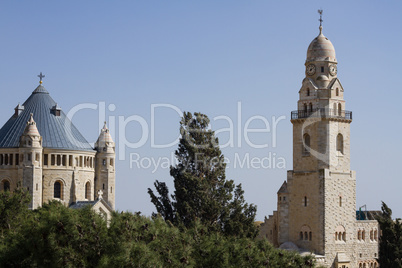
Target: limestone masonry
x,y
316,209
43,152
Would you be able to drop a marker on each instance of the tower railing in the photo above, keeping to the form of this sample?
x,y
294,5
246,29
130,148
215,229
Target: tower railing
x,y
322,113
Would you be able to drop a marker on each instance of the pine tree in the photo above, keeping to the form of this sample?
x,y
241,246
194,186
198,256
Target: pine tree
x,y
202,191
391,239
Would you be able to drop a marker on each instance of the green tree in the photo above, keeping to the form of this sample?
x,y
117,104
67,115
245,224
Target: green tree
x,y
390,240
139,241
202,191
13,209
57,236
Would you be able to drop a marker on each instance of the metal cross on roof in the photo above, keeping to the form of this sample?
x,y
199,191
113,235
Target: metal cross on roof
x,y
40,77
320,12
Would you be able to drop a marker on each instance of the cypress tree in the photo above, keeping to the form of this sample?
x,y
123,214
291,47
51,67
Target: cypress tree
x,y
202,191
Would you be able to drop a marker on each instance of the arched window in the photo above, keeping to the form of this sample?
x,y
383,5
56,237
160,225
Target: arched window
x,y
359,235
371,235
306,149
375,235
340,201
308,92
340,233
310,107
57,190
339,143
339,109
87,190
337,91
6,185
305,201
305,233
363,235
305,109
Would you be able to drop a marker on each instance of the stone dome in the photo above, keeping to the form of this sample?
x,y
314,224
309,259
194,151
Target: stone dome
x,y
104,138
31,129
321,49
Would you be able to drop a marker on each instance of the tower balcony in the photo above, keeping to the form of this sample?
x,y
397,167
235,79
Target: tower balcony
x,y
322,113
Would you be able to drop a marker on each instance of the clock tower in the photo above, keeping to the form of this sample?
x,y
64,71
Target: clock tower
x,y
316,210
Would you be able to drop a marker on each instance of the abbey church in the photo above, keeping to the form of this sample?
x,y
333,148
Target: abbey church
x,y
316,205
43,152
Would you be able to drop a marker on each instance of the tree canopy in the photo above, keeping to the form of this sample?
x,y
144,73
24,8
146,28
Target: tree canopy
x,y
390,254
57,236
202,191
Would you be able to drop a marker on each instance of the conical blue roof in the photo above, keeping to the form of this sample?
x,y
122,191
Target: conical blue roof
x,y
57,131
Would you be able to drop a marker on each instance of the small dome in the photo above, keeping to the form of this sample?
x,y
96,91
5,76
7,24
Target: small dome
x,y
31,129
321,49
289,246
104,138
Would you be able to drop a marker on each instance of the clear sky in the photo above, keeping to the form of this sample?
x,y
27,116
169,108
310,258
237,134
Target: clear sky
x,y
221,58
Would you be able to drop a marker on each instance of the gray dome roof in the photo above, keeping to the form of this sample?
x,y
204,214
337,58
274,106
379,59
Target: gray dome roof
x,y
321,49
57,132
289,246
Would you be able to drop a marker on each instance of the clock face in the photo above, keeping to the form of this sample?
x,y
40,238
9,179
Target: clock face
x,y
310,69
332,69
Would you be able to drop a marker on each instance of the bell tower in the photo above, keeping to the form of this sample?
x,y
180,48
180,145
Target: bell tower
x,y
322,195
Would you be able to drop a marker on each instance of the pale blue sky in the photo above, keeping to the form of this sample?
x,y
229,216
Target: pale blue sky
x,y
207,56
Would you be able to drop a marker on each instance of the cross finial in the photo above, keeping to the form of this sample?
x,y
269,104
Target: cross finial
x,y
40,77
320,12
100,193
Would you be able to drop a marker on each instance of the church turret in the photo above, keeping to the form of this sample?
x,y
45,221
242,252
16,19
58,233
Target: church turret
x,y
30,159
105,166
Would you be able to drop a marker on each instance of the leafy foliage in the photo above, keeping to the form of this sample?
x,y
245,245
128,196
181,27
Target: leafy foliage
x,y
56,236
202,191
390,240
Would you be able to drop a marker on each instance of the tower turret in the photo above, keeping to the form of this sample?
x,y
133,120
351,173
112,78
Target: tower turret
x,y
105,166
30,154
